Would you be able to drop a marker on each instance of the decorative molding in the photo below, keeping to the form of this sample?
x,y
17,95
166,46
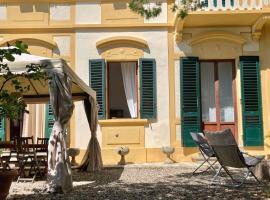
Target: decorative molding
x,y
123,122
116,53
258,26
122,39
217,35
45,41
179,25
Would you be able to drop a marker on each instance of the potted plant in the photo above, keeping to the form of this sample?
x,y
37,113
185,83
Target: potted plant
x,y
12,105
6,178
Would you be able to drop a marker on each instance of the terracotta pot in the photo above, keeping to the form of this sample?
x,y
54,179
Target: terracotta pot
x,y
6,177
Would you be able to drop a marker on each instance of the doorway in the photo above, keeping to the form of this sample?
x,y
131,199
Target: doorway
x,y
218,96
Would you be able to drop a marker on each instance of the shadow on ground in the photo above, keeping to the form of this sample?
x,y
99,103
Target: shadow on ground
x,y
108,184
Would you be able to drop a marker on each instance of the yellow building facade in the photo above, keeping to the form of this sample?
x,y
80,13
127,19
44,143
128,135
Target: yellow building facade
x,y
102,39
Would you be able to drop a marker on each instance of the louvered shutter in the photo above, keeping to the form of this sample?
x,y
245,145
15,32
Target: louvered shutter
x,y
49,120
148,104
223,3
251,101
205,3
190,99
97,82
2,129
215,3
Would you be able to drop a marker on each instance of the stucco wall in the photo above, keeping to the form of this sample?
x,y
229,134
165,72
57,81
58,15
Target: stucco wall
x,y
156,134
3,12
59,12
93,10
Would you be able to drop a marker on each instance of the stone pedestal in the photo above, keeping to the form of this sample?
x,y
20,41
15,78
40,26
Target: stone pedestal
x,y
262,170
73,152
168,151
122,151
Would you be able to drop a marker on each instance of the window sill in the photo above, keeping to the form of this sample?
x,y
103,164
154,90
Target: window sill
x,y
123,122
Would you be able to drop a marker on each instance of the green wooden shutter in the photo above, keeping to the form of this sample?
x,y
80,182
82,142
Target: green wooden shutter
x,y
97,81
223,3
190,99
49,120
215,3
148,94
251,101
2,129
205,3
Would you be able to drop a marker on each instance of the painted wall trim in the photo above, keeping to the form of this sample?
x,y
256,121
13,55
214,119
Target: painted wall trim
x,y
45,41
123,122
217,35
122,39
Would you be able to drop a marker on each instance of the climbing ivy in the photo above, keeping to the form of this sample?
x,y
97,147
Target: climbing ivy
x,y
182,7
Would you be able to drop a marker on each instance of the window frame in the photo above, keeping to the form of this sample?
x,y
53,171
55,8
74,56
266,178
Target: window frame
x,y
107,68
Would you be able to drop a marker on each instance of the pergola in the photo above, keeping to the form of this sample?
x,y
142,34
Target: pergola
x,y
61,90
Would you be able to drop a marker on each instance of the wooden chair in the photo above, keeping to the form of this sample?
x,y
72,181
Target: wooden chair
x,y
27,159
42,154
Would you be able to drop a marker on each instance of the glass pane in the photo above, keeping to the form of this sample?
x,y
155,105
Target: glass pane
x,y
225,92
208,92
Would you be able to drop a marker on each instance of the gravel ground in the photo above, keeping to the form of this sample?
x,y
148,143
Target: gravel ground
x,y
148,181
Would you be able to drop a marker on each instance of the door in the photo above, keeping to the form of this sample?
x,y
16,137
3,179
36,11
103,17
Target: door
x,y
218,105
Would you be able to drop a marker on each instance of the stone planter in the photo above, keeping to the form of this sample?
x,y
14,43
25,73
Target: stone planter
x,y
168,151
6,177
73,152
122,151
262,170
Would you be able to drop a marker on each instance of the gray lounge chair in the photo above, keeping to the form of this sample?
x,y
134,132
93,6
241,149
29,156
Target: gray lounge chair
x,y
205,150
229,155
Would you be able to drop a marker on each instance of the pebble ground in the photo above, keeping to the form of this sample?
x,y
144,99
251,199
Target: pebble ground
x,y
148,181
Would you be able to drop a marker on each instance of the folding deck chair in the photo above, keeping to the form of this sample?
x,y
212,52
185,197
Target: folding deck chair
x,y
205,150
229,155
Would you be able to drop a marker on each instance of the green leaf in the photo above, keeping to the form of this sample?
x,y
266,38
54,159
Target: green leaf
x,y
9,57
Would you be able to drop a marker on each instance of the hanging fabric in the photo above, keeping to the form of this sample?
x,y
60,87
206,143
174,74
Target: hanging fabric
x,y
129,74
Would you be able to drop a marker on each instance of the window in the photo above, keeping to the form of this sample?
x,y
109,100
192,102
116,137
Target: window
x,y
116,86
49,120
122,90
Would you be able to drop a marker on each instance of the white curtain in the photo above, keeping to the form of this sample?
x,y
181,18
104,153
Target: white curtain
x,y
208,92
129,74
225,91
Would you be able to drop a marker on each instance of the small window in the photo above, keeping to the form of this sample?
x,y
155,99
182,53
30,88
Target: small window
x,y
122,93
116,86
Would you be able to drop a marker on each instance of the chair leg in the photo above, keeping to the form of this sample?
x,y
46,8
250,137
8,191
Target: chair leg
x,y
199,167
211,165
216,175
239,183
251,172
